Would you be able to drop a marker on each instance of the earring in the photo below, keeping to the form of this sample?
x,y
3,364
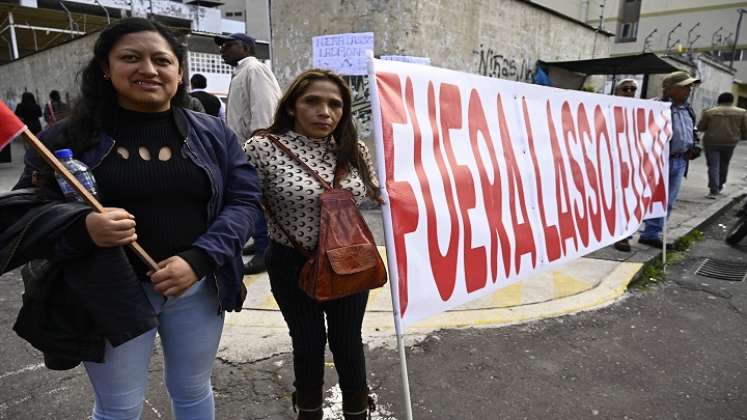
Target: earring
x,y
106,76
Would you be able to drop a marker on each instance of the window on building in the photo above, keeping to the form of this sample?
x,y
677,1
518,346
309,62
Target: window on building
x,y
627,21
207,63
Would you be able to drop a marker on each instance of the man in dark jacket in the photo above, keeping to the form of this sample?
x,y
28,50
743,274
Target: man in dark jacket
x,y
210,102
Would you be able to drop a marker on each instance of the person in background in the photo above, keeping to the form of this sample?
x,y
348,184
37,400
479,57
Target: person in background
x,y
252,98
626,88
211,103
676,87
29,112
722,127
55,110
195,105
176,181
314,120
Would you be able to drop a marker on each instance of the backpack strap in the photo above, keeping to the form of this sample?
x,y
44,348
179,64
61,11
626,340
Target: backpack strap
x,y
51,112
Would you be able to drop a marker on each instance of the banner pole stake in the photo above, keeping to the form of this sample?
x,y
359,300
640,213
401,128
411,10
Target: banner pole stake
x,y
664,246
405,377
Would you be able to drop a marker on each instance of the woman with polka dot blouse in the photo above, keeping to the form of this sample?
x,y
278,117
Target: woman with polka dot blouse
x,y
314,120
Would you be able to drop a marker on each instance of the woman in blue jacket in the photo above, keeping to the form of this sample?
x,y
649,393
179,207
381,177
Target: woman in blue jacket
x,y
178,183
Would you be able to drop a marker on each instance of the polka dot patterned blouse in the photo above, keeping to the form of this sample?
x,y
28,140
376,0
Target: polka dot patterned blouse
x,y
292,192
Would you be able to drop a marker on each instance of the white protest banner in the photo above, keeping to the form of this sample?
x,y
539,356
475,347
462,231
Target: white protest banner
x,y
407,59
487,181
343,53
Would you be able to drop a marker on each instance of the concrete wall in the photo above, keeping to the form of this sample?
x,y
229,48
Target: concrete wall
x,y
39,73
496,38
499,38
258,19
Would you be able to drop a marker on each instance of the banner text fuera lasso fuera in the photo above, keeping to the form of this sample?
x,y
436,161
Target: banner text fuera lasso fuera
x,y
488,181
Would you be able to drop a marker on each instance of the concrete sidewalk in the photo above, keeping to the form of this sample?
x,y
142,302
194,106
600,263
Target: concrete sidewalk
x,y
588,283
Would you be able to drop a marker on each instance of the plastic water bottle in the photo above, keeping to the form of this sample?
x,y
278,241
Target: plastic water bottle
x,y
80,171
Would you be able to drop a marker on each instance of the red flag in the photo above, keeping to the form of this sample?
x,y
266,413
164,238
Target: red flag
x,y
10,125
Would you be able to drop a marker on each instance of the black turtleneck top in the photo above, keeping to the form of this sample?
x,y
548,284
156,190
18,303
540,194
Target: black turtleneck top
x,y
147,174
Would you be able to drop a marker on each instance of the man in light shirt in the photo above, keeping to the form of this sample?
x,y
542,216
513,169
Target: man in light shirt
x,y
252,98
254,92
676,88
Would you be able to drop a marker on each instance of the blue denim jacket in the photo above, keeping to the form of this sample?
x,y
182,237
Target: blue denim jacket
x,y
683,125
234,202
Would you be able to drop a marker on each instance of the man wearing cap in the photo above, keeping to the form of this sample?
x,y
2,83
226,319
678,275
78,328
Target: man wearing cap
x,y
722,126
254,92
626,88
252,97
676,89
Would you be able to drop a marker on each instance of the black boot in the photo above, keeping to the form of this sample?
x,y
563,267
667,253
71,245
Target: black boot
x,y
308,403
256,265
357,405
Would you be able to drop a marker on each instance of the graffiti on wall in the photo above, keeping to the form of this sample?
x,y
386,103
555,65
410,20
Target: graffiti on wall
x,y
492,64
361,104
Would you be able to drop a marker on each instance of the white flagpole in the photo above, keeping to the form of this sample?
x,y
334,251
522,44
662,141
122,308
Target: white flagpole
x,y
664,232
390,253
664,246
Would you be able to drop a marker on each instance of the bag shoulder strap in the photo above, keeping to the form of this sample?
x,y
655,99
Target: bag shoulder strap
x,y
51,111
295,157
296,244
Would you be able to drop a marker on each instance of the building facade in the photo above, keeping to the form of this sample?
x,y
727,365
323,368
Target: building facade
x,y
50,41
695,35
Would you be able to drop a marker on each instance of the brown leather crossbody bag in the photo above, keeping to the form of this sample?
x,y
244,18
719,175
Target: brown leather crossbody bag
x,y
346,260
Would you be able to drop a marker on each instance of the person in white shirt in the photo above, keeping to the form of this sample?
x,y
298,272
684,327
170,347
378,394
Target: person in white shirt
x,y
254,92
252,98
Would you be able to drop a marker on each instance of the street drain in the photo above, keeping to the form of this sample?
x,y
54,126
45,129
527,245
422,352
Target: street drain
x,y
722,270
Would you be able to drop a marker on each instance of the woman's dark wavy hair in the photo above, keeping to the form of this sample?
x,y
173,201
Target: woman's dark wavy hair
x,y
345,134
97,95
28,99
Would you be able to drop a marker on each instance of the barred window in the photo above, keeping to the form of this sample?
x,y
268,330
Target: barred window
x,y
207,63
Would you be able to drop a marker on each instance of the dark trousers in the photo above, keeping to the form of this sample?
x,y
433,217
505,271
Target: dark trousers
x,y
305,319
260,234
717,158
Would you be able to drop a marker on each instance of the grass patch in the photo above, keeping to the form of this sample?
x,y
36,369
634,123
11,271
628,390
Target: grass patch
x,y
684,243
653,271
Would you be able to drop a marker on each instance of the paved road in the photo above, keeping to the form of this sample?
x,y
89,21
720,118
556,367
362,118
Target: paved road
x,y
677,350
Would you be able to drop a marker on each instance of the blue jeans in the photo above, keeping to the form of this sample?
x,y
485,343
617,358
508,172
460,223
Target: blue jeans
x,y
653,227
260,235
190,330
